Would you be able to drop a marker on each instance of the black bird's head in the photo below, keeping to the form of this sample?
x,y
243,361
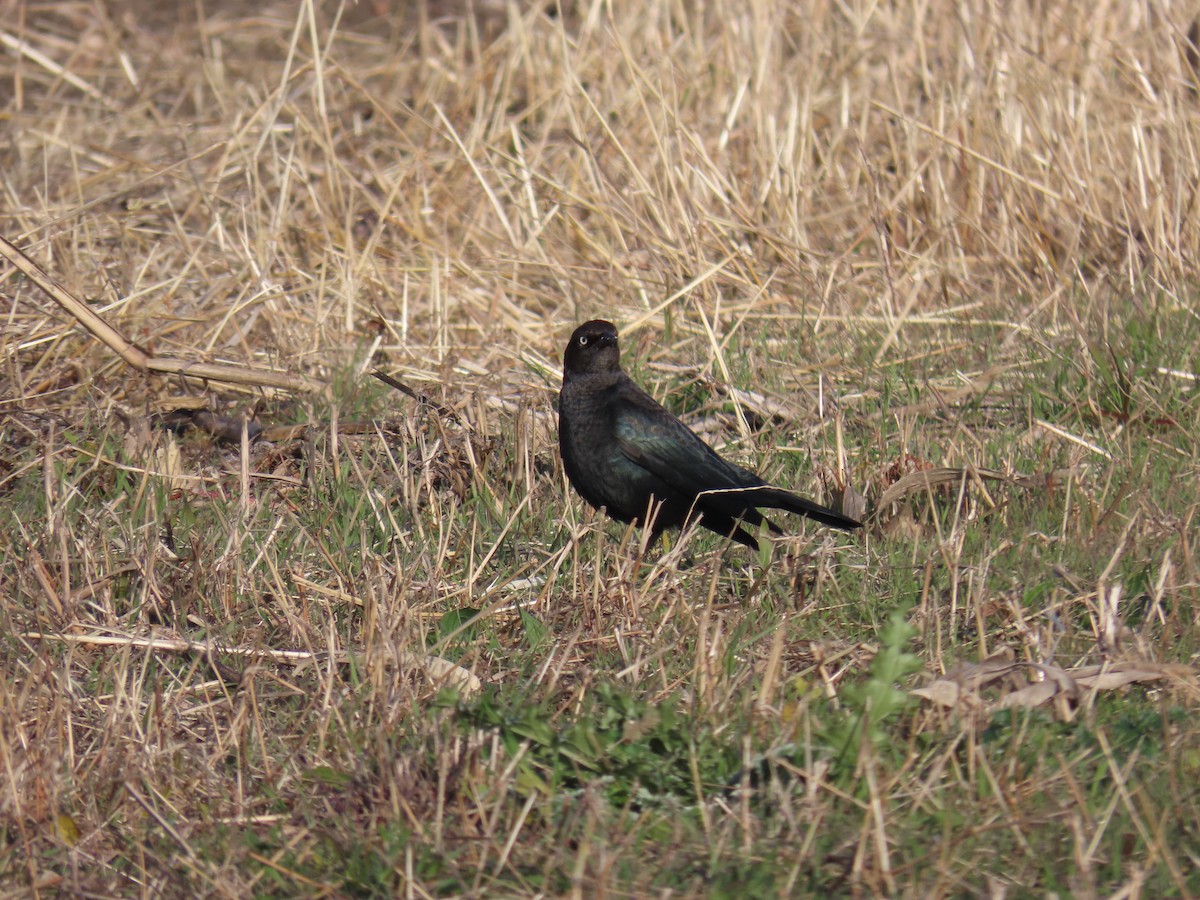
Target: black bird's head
x,y
593,348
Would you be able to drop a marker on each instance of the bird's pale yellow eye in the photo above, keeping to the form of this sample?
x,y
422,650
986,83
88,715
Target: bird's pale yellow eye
x,y
583,339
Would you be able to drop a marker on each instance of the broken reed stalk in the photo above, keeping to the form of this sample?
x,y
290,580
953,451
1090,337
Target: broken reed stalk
x,y
135,355
437,668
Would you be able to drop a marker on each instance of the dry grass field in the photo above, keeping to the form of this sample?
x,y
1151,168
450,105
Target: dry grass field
x,y
269,627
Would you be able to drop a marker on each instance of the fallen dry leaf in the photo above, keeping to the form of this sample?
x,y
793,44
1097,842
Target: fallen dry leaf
x,y
927,479
960,687
1028,697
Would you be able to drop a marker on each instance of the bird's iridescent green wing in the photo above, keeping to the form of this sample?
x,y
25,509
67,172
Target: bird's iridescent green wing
x,y
658,442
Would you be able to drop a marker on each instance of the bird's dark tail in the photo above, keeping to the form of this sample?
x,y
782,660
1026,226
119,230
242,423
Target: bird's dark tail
x,y
742,502
781,499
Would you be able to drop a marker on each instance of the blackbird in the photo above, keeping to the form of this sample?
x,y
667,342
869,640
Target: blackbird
x,y
621,449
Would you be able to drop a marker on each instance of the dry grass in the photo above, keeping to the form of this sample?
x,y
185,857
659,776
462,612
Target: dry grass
x,y
940,254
